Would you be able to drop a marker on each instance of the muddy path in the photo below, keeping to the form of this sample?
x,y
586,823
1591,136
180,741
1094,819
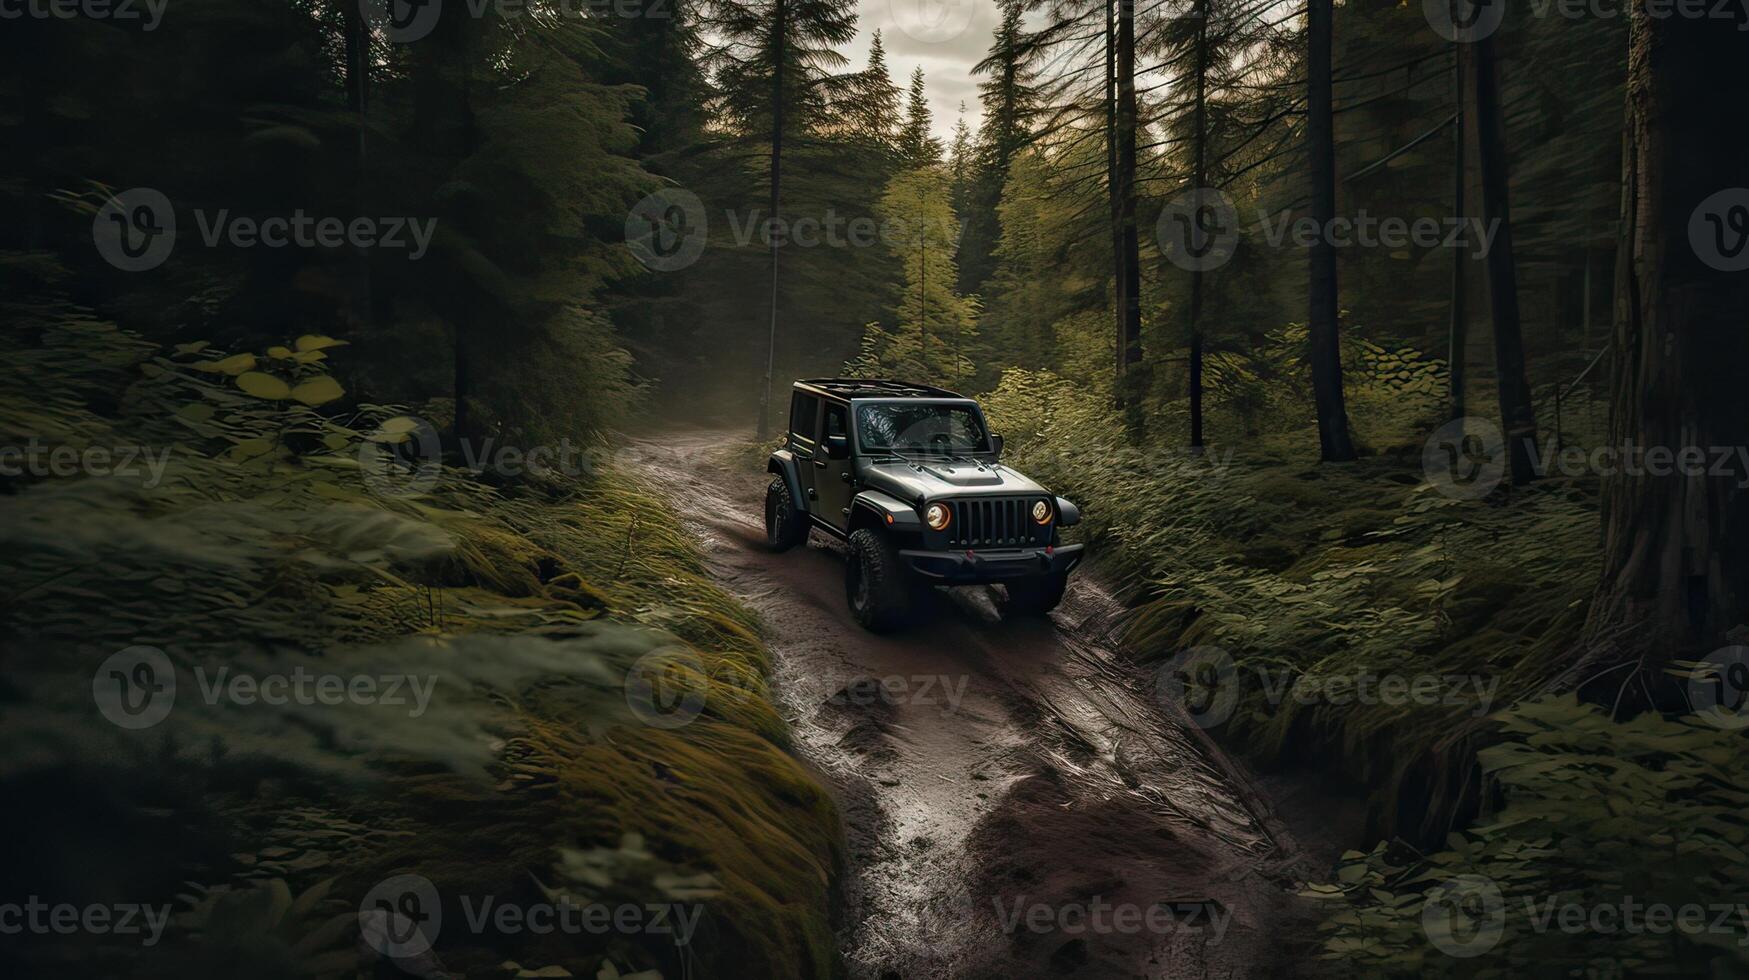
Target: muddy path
x,y
1018,801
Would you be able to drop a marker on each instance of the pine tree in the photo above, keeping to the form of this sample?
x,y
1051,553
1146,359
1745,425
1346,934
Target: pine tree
x,y
916,146
961,164
776,76
1009,97
876,100
936,326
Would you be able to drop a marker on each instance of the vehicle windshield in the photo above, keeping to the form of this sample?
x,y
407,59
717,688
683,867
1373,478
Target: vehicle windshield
x,y
920,427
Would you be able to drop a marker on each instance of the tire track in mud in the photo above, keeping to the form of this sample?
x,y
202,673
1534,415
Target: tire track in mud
x,y
990,771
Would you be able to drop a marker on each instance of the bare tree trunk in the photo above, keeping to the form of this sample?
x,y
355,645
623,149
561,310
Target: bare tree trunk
x,y
1456,353
778,39
1517,416
1199,178
444,129
1326,347
1112,191
1676,549
1130,342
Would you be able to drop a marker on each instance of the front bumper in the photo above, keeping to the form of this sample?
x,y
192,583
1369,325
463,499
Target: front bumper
x,y
993,564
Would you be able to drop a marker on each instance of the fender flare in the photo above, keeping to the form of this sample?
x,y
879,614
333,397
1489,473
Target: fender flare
x,y
890,510
1068,515
783,463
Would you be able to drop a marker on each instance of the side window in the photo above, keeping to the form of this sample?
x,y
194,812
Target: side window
x,y
837,420
802,412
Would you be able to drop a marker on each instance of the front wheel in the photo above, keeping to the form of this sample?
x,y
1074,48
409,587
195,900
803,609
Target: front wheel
x,y
784,528
1035,596
875,582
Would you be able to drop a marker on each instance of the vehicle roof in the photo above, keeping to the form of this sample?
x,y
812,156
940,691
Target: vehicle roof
x,y
873,388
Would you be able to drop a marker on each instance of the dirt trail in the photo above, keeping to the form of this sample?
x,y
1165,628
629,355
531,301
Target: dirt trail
x,y
1016,797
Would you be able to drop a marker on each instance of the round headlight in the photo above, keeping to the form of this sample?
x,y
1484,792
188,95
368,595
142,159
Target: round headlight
x,y
1041,512
938,516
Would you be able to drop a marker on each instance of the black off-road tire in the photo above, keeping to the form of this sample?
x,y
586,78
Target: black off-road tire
x,y
784,527
876,585
1034,596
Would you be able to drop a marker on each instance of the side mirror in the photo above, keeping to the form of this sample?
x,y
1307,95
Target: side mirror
x,y
837,447
996,444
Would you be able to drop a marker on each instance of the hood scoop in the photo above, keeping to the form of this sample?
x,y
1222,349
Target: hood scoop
x,y
963,474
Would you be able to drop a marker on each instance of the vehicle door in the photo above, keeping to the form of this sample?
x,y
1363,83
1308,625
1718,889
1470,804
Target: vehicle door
x,y
833,467
804,436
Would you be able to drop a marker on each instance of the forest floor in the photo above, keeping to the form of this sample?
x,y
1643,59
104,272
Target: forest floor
x,y
1010,789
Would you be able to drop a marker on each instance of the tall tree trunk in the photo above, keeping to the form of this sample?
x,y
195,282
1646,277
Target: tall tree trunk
x,y
1456,352
1199,178
1676,549
444,130
358,101
1113,191
778,39
1326,346
1517,417
1130,343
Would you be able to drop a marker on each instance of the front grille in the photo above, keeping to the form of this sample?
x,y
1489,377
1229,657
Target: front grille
x,y
984,522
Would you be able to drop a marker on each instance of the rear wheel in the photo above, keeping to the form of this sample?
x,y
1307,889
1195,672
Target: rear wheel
x,y
784,527
1034,596
875,582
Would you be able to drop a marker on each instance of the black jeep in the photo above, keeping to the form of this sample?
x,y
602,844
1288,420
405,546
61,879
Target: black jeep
x,y
911,477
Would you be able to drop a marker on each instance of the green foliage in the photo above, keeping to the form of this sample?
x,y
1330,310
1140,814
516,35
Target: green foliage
x,y
937,329
1597,814
1301,570
263,547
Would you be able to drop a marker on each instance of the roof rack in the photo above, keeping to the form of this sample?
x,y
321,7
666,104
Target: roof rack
x,y
876,388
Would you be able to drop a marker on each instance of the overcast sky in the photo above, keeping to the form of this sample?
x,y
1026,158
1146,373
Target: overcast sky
x,y
945,37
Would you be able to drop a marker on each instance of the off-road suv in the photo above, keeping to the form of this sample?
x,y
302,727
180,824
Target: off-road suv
x,y
912,478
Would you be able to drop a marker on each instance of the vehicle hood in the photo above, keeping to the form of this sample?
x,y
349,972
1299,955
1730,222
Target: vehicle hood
x,y
932,479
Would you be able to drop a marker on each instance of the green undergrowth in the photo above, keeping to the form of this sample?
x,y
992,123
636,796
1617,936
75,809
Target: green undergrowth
x,y
1620,849
555,619
1305,573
